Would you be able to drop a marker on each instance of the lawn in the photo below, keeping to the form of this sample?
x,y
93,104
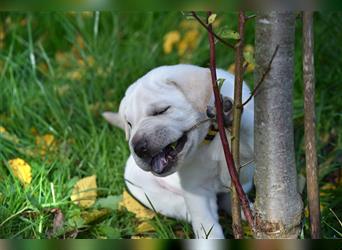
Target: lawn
x,y
60,71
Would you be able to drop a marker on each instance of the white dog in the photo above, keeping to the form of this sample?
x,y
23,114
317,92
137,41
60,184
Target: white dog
x,y
171,161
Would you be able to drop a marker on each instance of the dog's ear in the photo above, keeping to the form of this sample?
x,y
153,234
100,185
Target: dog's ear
x,y
114,119
195,84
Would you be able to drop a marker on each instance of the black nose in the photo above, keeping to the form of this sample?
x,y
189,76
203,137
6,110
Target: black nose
x,y
140,148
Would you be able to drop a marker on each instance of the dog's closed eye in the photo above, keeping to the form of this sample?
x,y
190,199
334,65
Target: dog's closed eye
x,y
160,111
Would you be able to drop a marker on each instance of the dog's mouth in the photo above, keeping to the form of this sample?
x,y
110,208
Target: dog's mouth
x,y
165,159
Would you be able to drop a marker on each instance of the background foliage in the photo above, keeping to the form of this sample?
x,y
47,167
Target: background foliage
x,y
59,71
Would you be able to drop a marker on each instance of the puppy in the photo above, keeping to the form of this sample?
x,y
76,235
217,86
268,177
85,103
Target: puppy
x,y
173,167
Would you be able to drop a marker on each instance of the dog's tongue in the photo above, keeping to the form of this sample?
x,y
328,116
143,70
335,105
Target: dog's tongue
x,y
162,161
159,163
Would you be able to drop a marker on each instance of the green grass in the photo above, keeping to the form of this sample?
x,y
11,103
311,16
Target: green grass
x,y
69,83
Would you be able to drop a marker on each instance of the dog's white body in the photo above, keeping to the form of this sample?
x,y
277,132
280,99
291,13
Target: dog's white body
x,y
188,190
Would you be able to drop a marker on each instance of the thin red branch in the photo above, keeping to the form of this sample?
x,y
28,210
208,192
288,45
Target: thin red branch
x,y
257,86
193,13
228,156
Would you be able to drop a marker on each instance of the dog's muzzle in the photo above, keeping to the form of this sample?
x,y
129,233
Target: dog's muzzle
x,y
162,161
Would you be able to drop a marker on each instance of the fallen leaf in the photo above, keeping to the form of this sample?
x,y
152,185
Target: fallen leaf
x,y
189,42
45,143
170,39
21,170
133,206
84,192
58,221
144,227
136,237
94,215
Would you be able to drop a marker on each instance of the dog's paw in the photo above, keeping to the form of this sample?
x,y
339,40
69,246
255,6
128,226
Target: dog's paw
x,y
227,105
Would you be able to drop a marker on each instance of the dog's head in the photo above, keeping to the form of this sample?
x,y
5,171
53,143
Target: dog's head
x,y
158,112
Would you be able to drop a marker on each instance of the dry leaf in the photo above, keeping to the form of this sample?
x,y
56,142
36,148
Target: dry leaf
x,y
144,227
58,221
45,143
135,207
21,170
189,42
170,39
136,237
84,192
94,215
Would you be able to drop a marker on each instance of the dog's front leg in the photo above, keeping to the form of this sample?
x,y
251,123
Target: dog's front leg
x,y
202,207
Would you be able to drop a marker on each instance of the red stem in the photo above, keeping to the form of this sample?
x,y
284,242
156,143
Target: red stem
x,y
228,156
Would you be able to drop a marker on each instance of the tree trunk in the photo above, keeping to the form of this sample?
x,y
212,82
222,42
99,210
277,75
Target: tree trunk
x,y
278,206
309,124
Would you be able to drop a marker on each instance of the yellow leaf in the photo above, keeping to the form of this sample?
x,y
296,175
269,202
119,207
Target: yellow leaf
x,y
136,237
189,42
182,47
45,143
84,192
170,39
144,227
94,215
21,170
135,207
75,75
211,18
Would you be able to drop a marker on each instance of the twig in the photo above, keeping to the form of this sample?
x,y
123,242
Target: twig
x,y
309,125
228,156
235,140
193,13
262,77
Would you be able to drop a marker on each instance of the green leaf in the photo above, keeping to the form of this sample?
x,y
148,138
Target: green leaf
x,y
220,82
109,232
110,202
230,34
249,57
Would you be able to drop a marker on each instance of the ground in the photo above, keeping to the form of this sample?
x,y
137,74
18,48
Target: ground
x,y
59,71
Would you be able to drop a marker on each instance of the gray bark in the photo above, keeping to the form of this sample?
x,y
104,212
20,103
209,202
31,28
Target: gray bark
x,y
278,206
